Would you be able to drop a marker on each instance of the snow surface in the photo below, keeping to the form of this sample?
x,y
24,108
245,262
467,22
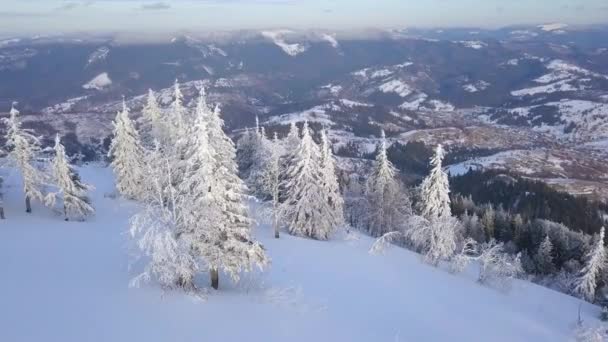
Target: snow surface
x,y
396,86
552,27
473,44
98,55
290,49
68,282
330,39
99,82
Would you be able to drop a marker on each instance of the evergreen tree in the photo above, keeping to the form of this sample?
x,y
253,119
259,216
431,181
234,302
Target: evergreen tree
x,y
596,263
228,242
23,148
293,138
152,127
488,222
127,156
387,202
305,210
435,208
72,191
544,257
329,182
260,158
177,113
156,228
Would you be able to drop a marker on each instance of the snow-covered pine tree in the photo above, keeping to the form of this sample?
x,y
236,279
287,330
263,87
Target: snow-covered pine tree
x,y
72,191
387,202
245,150
156,227
596,263
293,138
177,114
229,245
127,156
272,180
435,207
23,148
200,208
260,158
305,210
544,257
152,126
329,180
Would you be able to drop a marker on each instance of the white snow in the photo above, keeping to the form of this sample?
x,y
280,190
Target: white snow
x,y
415,103
330,39
98,55
290,49
351,104
9,41
396,86
64,107
552,27
99,82
68,282
562,77
441,106
381,73
315,114
473,44
333,89
476,87
547,89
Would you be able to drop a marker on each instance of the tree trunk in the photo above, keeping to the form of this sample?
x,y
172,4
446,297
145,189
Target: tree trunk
x,y
275,225
1,213
185,283
65,213
28,204
215,278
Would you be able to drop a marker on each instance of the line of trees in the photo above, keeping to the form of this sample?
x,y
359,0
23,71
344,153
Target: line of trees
x,y
55,182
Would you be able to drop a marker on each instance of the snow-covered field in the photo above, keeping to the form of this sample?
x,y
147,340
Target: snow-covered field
x,y
68,281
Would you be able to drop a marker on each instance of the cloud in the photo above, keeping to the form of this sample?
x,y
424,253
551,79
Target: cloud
x,y
72,5
155,6
68,6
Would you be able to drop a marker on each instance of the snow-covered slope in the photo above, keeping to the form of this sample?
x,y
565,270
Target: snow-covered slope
x,y
99,82
290,49
67,281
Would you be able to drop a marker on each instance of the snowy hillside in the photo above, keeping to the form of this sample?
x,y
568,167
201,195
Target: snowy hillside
x,y
68,281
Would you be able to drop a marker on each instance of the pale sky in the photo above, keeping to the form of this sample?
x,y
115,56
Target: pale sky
x,y
59,16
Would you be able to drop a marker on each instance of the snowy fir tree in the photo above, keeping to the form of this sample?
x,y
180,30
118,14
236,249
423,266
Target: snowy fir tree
x,y
306,211
23,148
438,233
156,226
71,190
271,180
152,126
293,138
175,120
260,158
229,245
127,156
199,189
329,181
388,206
246,148
590,274
544,257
